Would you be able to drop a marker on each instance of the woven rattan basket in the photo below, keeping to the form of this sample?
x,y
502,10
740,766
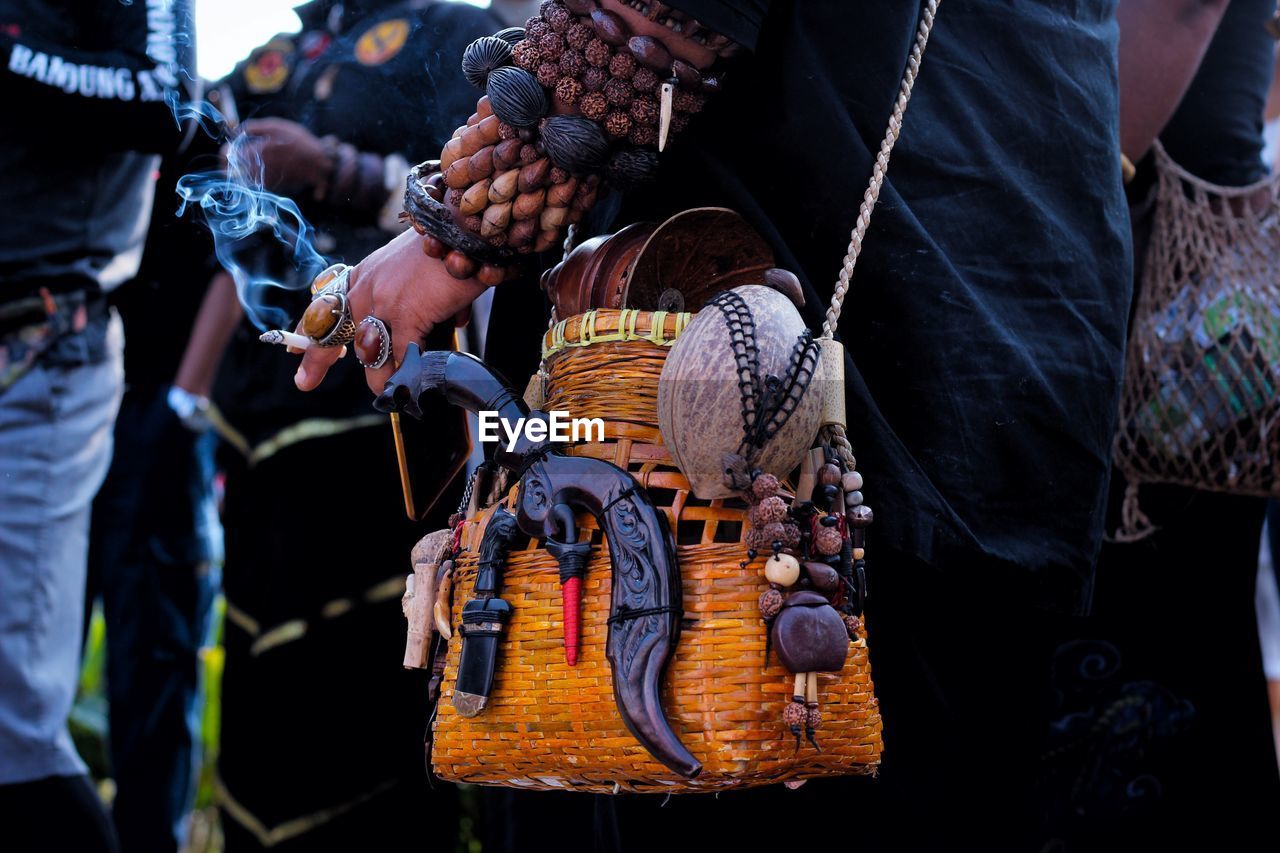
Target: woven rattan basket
x,y
551,726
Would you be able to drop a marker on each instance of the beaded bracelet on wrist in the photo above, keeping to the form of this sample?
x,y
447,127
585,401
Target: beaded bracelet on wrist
x,y
573,101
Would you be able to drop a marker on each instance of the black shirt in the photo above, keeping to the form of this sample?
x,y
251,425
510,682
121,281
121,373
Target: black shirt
x,y
986,323
85,87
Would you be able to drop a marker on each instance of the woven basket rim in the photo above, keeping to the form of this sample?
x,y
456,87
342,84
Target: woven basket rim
x,y
627,323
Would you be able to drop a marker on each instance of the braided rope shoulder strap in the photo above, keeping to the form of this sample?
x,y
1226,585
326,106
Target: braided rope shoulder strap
x,y
835,433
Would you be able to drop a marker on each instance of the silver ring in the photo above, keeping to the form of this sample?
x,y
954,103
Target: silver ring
x,y
384,343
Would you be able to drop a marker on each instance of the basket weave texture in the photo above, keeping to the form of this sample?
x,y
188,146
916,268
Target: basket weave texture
x,y
550,726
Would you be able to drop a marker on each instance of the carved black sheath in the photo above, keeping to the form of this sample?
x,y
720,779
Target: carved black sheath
x,y
644,623
484,618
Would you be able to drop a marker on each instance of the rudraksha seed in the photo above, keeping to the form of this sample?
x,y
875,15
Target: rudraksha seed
x,y
679,121
579,35
617,125
622,65
535,28
551,45
594,106
529,154
770,603
548,74
526,55
791,535
755,540
644,110
572,64
687,102
473,223
793,716
644,80
498,240
593,79
557,17
765,485
771,509
643,134
852,624
453,198
618,92
813,717
827,541
597,53
506,131
558,175
568,90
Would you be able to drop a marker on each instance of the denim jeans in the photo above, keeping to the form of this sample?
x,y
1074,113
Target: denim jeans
x,y
55,445
152,545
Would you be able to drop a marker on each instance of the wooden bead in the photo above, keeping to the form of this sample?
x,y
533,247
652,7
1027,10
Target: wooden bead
x,y
852,499
851,481
434,247
560,195
496,219
553,217
782,569
458,175
528,205
860,516
459,265
506,154
650,52
452,151
534,175
823,577
859,553
610,28
504,186
829,475
489,130
480,165
522,233
475,198
490,275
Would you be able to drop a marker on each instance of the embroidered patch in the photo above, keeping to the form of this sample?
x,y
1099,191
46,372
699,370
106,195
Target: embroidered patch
x,y
268,67
382,41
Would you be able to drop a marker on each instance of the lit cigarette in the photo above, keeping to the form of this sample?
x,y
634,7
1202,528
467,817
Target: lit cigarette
x,y
285,339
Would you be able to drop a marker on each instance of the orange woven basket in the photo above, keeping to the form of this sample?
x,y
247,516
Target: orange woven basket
x,y
549,726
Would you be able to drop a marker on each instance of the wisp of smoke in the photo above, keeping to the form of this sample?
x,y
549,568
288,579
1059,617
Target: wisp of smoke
x,y
239,211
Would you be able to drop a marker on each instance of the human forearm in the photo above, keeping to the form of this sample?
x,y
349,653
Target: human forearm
x,y
1162,43
217,318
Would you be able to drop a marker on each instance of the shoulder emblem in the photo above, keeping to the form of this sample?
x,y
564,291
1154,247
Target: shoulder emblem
x,y
382,41
268,67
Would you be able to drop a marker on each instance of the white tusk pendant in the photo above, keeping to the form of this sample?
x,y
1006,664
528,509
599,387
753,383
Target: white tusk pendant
x,y
664,119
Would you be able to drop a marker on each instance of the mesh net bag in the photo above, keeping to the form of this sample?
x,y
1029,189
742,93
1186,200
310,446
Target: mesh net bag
x,y
1201,399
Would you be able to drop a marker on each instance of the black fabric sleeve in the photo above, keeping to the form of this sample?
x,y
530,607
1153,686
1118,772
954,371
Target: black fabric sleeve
x,y
115,76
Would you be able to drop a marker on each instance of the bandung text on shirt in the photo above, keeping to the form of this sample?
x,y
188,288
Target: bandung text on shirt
x,y
112,83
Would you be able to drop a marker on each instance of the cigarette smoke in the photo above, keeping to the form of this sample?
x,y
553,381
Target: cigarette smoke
x,y
240,213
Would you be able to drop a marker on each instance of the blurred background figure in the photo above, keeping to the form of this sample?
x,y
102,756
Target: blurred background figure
x,y
154,534
322,729
85,87
1163,734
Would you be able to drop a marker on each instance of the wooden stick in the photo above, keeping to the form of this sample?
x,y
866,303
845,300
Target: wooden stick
x,y
403,461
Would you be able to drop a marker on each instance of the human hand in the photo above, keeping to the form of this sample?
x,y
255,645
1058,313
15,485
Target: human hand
x,y
293,158
406,289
